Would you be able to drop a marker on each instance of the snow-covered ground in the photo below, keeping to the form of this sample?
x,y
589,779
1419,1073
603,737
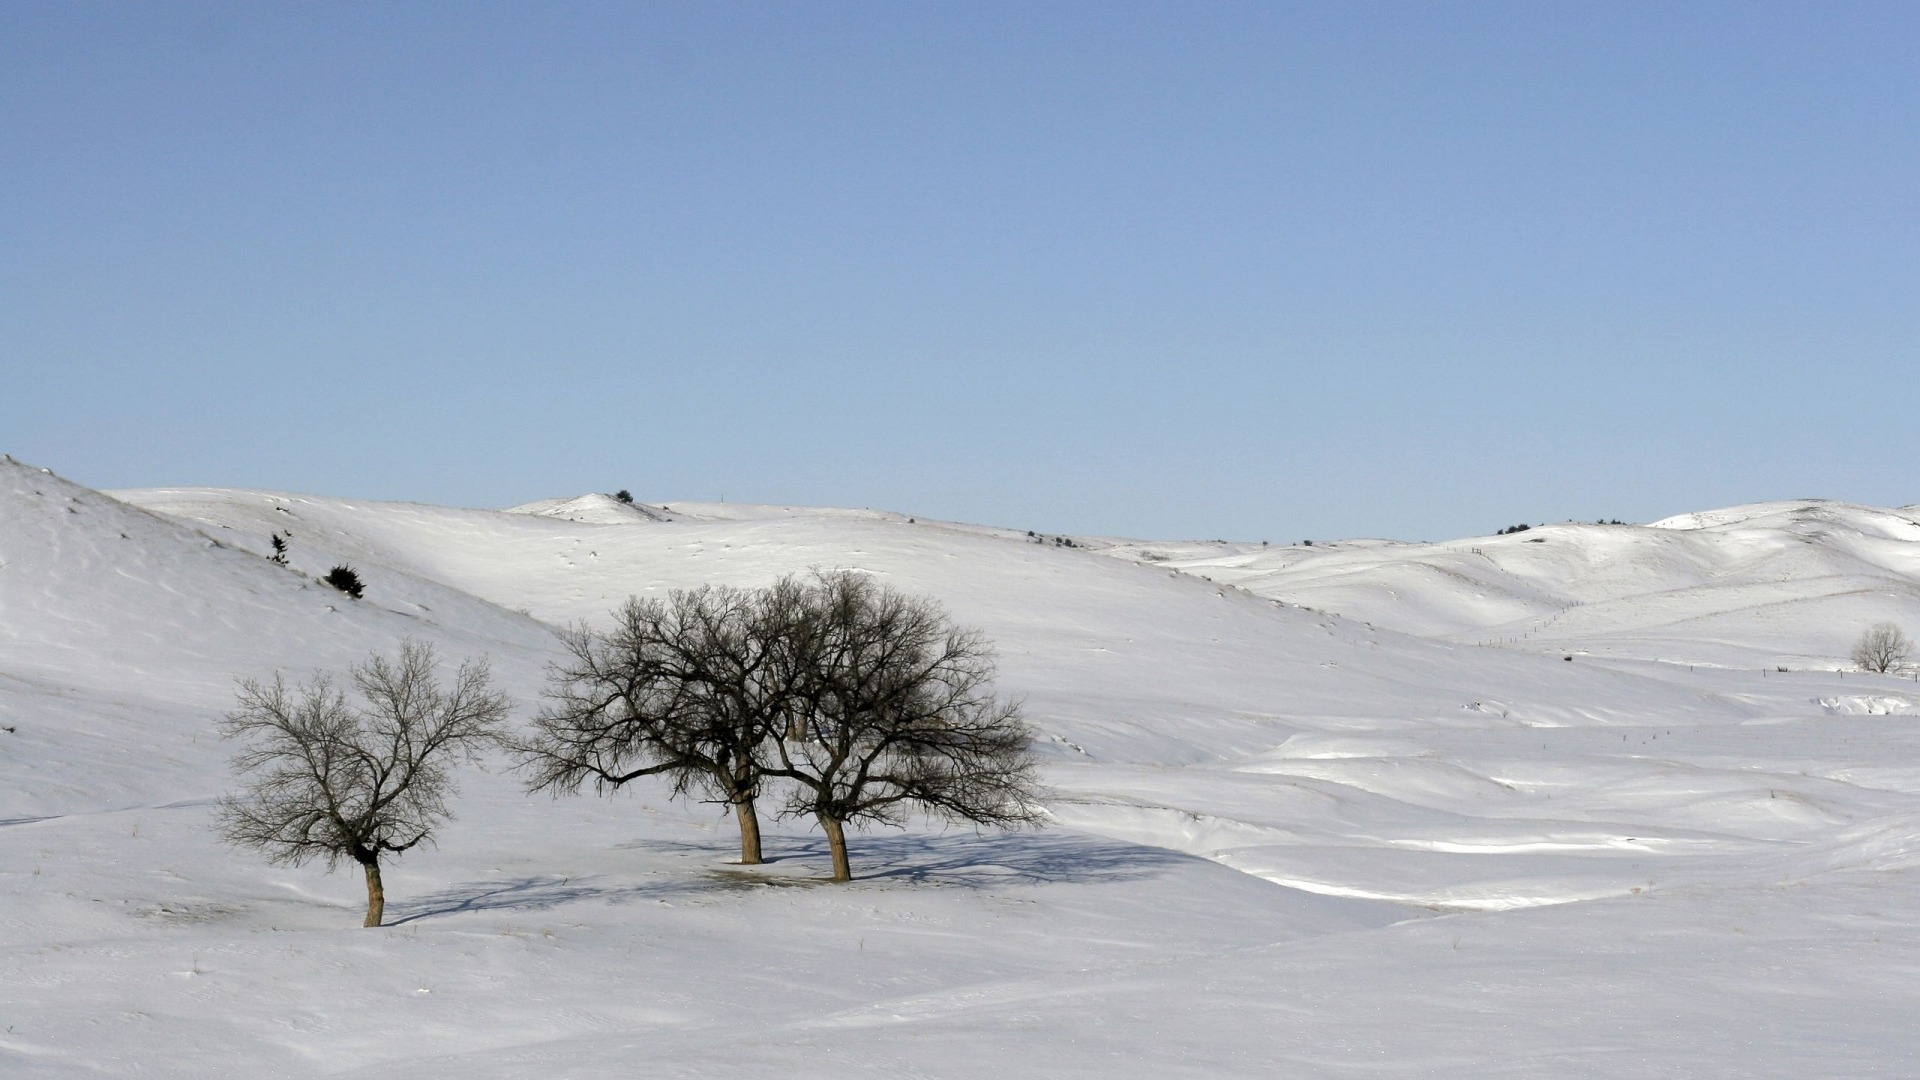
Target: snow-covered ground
x,y
1392,832
1785,583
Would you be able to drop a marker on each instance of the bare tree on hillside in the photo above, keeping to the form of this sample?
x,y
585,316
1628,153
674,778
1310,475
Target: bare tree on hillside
x,y
895,715
331,780
1883,648
684,689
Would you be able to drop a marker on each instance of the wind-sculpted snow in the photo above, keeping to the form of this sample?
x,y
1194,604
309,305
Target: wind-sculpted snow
x,y
1770,584
1288,842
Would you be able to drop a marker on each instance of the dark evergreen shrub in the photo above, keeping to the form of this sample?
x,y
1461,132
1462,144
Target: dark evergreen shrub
x,y
345,579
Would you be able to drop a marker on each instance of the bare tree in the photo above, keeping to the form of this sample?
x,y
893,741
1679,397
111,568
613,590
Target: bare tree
x,y
1883,648
683,689
895,714
331,780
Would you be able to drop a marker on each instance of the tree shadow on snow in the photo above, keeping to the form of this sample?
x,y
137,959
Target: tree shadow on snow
x,y
986,860
967,861
535,894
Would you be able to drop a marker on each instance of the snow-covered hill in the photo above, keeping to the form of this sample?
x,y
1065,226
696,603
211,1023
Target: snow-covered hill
x,y
594,509
1786,583
1289,842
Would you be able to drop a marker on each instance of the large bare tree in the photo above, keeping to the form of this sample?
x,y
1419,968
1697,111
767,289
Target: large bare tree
x,y
894,714
1882,647
683,688
328,779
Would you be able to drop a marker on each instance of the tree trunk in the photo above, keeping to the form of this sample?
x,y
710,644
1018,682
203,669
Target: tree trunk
x,y
837,843
749,819
376,894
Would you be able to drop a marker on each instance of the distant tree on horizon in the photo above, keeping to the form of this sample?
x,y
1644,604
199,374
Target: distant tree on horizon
x,y
1882,648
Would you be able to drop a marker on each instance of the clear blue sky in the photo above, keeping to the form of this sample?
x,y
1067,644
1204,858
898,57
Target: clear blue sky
x,y
1253,271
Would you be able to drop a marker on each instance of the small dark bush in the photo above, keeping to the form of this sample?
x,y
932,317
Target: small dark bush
x,y
346,579
1513,529
625,496
279,548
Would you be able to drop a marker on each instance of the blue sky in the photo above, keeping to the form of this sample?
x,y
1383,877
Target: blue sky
x,y
1266,271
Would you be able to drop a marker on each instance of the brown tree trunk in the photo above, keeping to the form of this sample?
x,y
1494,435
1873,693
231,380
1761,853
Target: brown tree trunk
x,y
837,843
376,894
749,819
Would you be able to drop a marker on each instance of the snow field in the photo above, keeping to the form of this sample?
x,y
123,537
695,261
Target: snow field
x,y
1289,842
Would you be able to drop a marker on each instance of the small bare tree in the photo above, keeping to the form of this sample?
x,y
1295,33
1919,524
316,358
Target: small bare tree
x,y
684,689
896,715
1883,648
331,780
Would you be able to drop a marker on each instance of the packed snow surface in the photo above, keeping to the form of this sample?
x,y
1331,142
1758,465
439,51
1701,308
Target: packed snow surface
x,y
1347,810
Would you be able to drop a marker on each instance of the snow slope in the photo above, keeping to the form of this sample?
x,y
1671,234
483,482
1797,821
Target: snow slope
x,y
1289,843
1785,583
129,628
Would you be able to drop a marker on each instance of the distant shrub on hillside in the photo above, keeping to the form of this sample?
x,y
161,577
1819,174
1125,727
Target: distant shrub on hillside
x,y
625,496
1520,528
346,579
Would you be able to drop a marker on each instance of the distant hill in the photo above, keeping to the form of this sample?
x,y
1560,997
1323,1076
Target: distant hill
x,y
1766,584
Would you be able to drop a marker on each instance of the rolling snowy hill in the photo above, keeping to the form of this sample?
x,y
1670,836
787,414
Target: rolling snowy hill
x,y
1787,583
1335,839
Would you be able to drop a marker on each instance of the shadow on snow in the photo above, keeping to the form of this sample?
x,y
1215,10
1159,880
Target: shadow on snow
x,y
951,861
